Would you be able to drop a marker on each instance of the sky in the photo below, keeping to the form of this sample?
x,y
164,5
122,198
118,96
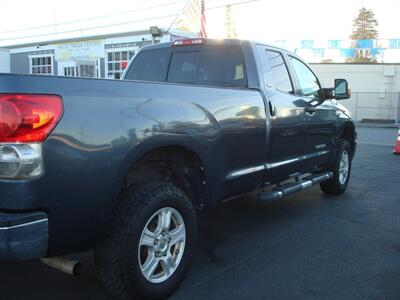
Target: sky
x,y
24,21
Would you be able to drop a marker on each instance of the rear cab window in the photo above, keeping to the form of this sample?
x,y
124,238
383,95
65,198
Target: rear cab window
x,y
151,65
207,65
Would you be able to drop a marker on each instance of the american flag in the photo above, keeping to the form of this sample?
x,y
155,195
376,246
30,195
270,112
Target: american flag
x,y
192,18
203,31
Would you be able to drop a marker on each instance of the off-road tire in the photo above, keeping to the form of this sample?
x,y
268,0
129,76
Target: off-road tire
x,y
117,257
334,186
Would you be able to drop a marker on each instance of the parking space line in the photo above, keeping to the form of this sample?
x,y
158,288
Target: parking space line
x,y
375,144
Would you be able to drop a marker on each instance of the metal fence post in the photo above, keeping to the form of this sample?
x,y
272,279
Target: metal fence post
x,y
398,109
355,115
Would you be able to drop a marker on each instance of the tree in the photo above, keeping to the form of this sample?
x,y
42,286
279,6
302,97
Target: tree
x,y
364,28
364,25
362,56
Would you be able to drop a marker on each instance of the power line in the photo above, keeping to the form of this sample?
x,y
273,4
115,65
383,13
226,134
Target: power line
x,y
176,18
93,18
232,4
90,28
118,24
211,8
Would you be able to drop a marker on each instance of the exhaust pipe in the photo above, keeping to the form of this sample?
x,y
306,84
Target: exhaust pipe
x,y
71,267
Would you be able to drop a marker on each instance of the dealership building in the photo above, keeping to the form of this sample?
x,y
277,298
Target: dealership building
x,y
4,61
98,56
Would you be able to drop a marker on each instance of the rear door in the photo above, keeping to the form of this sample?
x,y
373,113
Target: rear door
x,y
217,75
287,117
321,122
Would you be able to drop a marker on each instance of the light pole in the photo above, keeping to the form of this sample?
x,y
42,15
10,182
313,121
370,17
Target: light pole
x,y
155,32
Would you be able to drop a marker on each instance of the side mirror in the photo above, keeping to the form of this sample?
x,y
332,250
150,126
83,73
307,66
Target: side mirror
x,y
341,90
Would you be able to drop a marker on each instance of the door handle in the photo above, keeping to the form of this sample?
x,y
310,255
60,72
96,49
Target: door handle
x,y
272,109
310,109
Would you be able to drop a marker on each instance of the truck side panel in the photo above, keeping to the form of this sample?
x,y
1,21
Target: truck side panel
x,y
107,125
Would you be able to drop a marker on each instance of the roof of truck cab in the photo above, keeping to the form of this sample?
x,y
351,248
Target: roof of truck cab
x,y
233,42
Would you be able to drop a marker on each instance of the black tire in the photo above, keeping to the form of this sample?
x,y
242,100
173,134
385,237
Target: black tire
x,y
335,186
116,258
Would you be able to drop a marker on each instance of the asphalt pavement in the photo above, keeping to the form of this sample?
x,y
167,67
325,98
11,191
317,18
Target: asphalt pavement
x,y
306,246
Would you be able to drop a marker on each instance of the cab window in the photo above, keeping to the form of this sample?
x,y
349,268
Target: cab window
x,y
213,66
309,84
279,72
151,65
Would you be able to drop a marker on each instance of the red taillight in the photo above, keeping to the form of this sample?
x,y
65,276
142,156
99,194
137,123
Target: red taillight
x,y
28,117
187,42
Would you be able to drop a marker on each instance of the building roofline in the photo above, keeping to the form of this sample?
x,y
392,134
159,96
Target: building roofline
x,y
89,37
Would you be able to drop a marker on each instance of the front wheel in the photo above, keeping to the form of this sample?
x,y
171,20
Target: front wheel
x,y
149,248
341,169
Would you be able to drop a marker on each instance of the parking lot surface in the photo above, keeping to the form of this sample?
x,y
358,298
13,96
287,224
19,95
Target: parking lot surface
x,y
305,246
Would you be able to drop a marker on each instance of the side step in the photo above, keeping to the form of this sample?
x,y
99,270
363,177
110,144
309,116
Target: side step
x,y
280,191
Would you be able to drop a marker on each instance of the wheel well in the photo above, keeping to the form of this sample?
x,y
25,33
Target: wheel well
x,y
348,135
176,164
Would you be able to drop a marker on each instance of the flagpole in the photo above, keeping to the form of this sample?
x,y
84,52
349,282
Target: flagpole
x,y
177,16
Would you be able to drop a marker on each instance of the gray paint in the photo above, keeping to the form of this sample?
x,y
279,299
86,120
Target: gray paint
x,y
102,68
56,67
4,61
20,63
108,125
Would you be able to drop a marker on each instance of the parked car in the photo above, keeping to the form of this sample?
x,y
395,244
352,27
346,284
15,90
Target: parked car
x,y
125,166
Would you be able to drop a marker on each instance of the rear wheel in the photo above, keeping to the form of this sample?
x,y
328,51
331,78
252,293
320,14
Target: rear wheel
x,y
149,248
341,169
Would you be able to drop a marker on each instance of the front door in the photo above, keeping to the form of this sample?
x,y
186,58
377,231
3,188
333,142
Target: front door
x,y
67,68
320,120
87,68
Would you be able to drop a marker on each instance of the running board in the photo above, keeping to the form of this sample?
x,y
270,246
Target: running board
x,y
280,191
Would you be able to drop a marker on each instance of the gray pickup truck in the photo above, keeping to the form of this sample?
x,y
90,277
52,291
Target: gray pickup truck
x,y
125,166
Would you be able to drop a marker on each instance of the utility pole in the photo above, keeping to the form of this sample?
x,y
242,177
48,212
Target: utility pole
x,y
230,31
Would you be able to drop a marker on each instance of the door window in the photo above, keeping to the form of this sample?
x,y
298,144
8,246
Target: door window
x,y
309,84
279,72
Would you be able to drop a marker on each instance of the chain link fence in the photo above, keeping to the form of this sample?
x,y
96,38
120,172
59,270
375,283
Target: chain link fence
x,y
375,107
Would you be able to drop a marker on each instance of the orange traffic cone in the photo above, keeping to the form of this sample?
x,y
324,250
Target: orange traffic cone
x,y
396,149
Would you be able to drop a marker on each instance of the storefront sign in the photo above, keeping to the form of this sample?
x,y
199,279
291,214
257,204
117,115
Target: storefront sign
x,y
83,50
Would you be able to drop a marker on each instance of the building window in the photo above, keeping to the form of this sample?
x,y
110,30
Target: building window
x,y
70,71
318,52
80,68
307,44
334,44
42,65
87,70
117,62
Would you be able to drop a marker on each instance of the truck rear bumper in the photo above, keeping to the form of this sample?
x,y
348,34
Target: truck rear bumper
x,y
23,236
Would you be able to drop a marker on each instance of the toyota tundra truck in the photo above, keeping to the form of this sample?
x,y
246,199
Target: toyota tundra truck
x,y
124,167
